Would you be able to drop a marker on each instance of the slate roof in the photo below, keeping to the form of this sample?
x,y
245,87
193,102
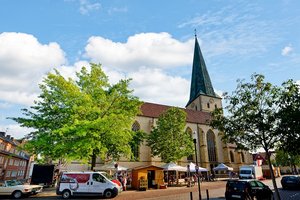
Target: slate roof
x,y
201,83
154,110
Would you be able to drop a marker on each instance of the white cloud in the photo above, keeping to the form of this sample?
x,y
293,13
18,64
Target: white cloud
x,y
14,130
118,10
154,50
219,92
86,6
153,85
23,61
287,50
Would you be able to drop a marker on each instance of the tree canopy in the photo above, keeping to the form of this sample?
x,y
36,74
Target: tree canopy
x,y
286,159
77,119
168,139
252,121
289,116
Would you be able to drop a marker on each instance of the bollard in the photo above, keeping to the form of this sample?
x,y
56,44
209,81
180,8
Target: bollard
x,y
207,194
191,195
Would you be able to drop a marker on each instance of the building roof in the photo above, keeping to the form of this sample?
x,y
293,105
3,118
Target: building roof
x,y
154,110
200,83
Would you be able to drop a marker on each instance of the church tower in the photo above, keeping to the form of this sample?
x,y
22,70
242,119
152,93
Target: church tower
x,y
202,94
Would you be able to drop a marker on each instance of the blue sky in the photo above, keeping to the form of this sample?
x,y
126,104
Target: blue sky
x,y
150,41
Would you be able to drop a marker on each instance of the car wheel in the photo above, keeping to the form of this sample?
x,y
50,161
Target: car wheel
x,y
66,194
108,193
17,194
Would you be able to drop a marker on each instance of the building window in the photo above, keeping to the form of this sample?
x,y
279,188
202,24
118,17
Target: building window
x,y
216,106
231,156
16,162
211,146
190,132
13,173
135,145
242,157
208,106
7,174
11,161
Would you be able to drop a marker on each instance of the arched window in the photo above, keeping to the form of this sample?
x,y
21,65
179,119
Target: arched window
x,y
190,132
135,126
231,156
208,106
242,157
216,106
135,147
211,146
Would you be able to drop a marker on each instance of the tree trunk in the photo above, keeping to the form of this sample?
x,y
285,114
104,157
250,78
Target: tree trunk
x,y
295,169
93,161
272,176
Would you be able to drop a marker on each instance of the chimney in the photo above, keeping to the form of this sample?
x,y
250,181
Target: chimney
x,y
2,134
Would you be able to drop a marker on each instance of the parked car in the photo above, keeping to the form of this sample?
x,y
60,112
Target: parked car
x,y
290,182
247,190
17,189
86,184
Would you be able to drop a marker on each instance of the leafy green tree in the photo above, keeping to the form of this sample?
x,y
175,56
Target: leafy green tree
x,y
286,159
81,119
289,115
252,117
169,139
135,143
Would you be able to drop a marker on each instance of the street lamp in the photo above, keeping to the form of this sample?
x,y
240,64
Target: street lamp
x,y
197,167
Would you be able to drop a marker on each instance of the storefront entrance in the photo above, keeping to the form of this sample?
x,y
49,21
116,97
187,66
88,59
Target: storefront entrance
x,y
151,179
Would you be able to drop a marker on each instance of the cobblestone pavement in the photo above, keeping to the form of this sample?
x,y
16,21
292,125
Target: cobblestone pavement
x,y
215,190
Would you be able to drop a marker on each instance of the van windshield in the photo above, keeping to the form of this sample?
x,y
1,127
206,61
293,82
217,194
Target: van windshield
x,y
245,172
108,176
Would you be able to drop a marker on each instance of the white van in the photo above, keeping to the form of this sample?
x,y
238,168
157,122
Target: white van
x,y
251,172
86,184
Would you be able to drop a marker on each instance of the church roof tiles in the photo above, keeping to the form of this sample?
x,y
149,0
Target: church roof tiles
x,y
154,110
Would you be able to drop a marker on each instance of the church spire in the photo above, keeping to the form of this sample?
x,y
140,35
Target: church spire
x,y
200,83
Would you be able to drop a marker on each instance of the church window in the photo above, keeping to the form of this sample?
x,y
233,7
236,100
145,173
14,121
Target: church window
x,y
242,157
136,126
190,132
211,146
208,106
216,106
135,146
231,156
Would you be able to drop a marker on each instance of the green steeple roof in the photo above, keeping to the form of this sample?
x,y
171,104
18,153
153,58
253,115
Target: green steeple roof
x,y
200,83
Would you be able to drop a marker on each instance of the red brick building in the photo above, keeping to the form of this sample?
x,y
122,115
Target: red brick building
x,y
14,163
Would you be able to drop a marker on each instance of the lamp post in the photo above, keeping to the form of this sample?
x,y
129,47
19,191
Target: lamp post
x,y
197,169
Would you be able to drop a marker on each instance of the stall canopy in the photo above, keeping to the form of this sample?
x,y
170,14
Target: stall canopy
x,y
174,167
222,167
193,168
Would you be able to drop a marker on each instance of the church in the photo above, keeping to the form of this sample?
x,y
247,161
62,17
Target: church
x,y
211,150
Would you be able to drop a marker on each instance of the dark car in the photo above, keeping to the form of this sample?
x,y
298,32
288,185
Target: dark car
x,y
247,190
290,182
